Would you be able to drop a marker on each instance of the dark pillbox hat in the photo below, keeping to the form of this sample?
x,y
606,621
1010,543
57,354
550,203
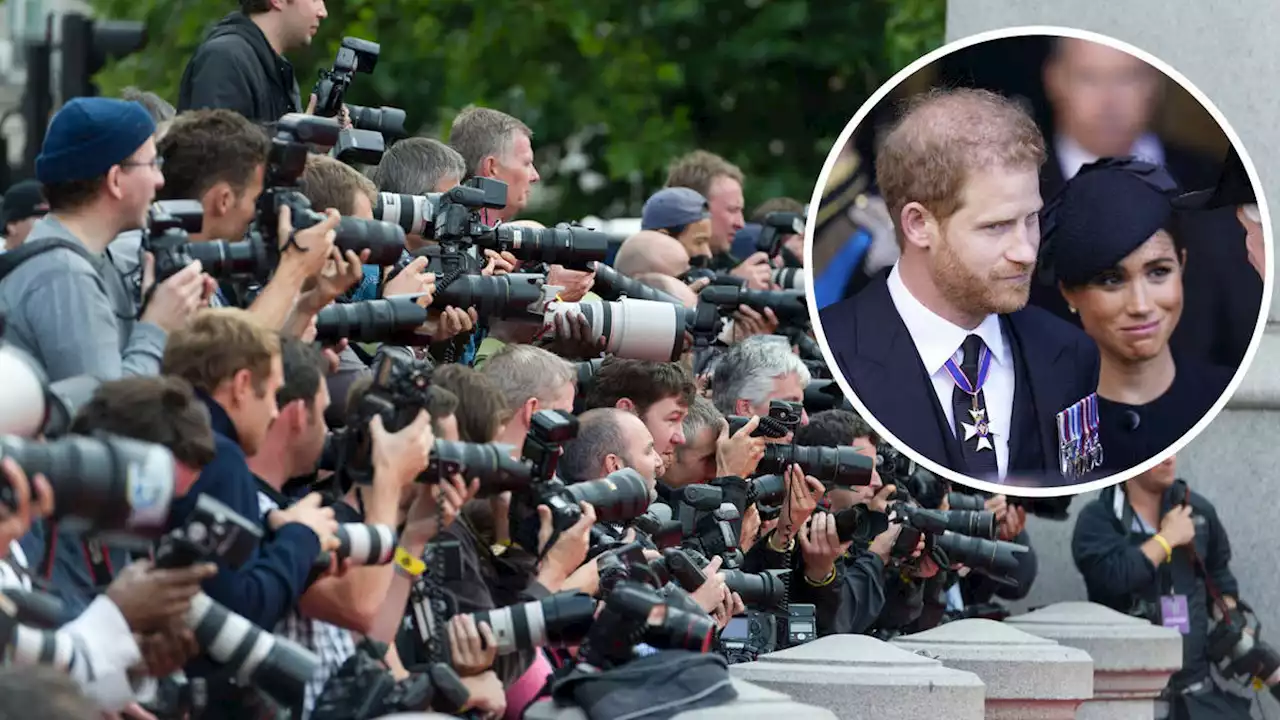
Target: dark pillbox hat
x,y
88,136
1108,210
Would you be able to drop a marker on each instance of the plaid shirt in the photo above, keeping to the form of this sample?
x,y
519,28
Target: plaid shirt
x,y
332,644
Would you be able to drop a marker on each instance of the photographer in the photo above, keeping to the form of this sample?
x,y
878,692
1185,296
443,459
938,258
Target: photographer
x,y
64,301
234,364
652,252
1151,548
153,641
23,205
220,159
862,592
683,214
658,393
418,166
756,371
240,65
609,440
332,608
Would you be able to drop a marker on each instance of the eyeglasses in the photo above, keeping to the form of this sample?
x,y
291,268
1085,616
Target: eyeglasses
x,y
157,163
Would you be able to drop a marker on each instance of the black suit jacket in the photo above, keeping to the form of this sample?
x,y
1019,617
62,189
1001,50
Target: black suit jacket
x,y
1222,294
874,351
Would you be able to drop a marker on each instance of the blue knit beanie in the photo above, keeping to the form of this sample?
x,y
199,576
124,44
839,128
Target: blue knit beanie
x,y
88,136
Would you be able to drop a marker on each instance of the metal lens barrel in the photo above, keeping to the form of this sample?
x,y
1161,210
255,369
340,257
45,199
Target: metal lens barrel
x,y
620,497
965,501
415,214
612,285
491,463
765,590
110,483
557,621
570,247
222,259
383,240
366,544
370,320
994,555
639,329
976,523
841,466
503,297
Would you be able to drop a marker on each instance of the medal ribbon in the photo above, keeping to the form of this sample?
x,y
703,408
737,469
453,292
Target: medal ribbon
x,y
984,368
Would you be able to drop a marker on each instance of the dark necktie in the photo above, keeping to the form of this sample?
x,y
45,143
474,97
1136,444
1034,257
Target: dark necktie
x,y
972,425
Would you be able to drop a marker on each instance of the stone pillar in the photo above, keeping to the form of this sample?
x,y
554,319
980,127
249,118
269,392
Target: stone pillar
x,y
859,677
1132,659
753,703
1027,677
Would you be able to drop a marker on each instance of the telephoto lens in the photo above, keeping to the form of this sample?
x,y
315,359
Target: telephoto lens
x,y
632,329
363,544
386,120
760,590
491,463
278,666
222,259
102,483
841,466
620,497
395,319
383,240
573,247
860,524
557,621
516,296
613,285
976,523
789,278
414,214
789,305
994,556
965,501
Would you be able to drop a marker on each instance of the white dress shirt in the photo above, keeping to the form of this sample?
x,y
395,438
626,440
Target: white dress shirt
x,y
102,633
1072,156
938,340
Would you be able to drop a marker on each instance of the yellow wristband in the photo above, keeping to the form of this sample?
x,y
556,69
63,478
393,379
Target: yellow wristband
x,y
1168,551
824,582
411,565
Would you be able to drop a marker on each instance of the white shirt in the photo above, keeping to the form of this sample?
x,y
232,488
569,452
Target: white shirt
x,y
938,340
103,634
1072,156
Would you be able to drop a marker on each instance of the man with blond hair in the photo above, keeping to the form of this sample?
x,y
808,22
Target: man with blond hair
x,y
944,352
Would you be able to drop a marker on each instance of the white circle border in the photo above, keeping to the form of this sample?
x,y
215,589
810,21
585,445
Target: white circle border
x,y
1000,34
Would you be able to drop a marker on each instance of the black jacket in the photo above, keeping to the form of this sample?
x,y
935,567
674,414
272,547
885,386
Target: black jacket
x,y
236,69
1118,575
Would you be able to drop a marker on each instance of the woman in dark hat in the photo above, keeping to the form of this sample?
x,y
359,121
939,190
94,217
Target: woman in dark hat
x,y
1111,246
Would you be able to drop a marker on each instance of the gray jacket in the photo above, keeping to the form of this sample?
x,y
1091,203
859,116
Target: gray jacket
x,y
76,316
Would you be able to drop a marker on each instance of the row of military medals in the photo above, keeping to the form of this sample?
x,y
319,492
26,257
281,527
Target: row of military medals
x,y
1080,451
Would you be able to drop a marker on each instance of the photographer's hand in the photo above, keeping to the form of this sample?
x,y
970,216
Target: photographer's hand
x,y
472,646
151,599
821,546
713,592
574,339
308,512
756,270
421,523
487,694
883,497
739,455
306,252
452,322
399,457
803,493
176,299
16,524
499,263
413,279
747,322
340,274
568,551
167,650
750,528
882,545
575,283
731,606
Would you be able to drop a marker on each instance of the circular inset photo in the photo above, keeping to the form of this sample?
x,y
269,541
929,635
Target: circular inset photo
x,y
1038,261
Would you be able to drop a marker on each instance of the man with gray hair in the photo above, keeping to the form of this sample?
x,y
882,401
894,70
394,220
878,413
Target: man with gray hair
x,y
695,460
609,440
497,145
530,379
756,371
417,166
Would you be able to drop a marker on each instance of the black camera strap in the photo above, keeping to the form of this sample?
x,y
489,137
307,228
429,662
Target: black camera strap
x,y
95,556
1214,594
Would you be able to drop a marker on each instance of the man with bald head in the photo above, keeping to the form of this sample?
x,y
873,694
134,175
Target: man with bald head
x,y
608,440
651,252
671,286
944,352
1103,102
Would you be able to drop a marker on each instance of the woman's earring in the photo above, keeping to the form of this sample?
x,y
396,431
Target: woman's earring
x,y
1072,309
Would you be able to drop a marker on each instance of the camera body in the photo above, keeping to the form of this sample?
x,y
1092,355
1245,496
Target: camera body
x,y
775,228
400,390
355,55
212,532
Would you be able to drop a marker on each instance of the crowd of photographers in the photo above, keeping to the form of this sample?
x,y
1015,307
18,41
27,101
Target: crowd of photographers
x,y
301,420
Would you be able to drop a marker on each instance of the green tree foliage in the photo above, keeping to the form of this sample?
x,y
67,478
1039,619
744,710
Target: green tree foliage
x,y
626,85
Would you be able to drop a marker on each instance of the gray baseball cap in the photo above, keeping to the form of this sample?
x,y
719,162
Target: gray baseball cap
x,y
673,207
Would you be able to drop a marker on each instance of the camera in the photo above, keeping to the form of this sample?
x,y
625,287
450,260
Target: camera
x,y
775,228
286,162
401,390
167,237
1235,646
557,621
354,56
571,246
625,620
1047,508
362,544
841,466
364,147
824,394
31,405
214,532
102,483
364,688
451,218
613,285
789,305
635,329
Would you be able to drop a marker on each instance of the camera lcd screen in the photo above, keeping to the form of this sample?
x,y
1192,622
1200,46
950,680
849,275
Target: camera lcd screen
x,y
738,627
